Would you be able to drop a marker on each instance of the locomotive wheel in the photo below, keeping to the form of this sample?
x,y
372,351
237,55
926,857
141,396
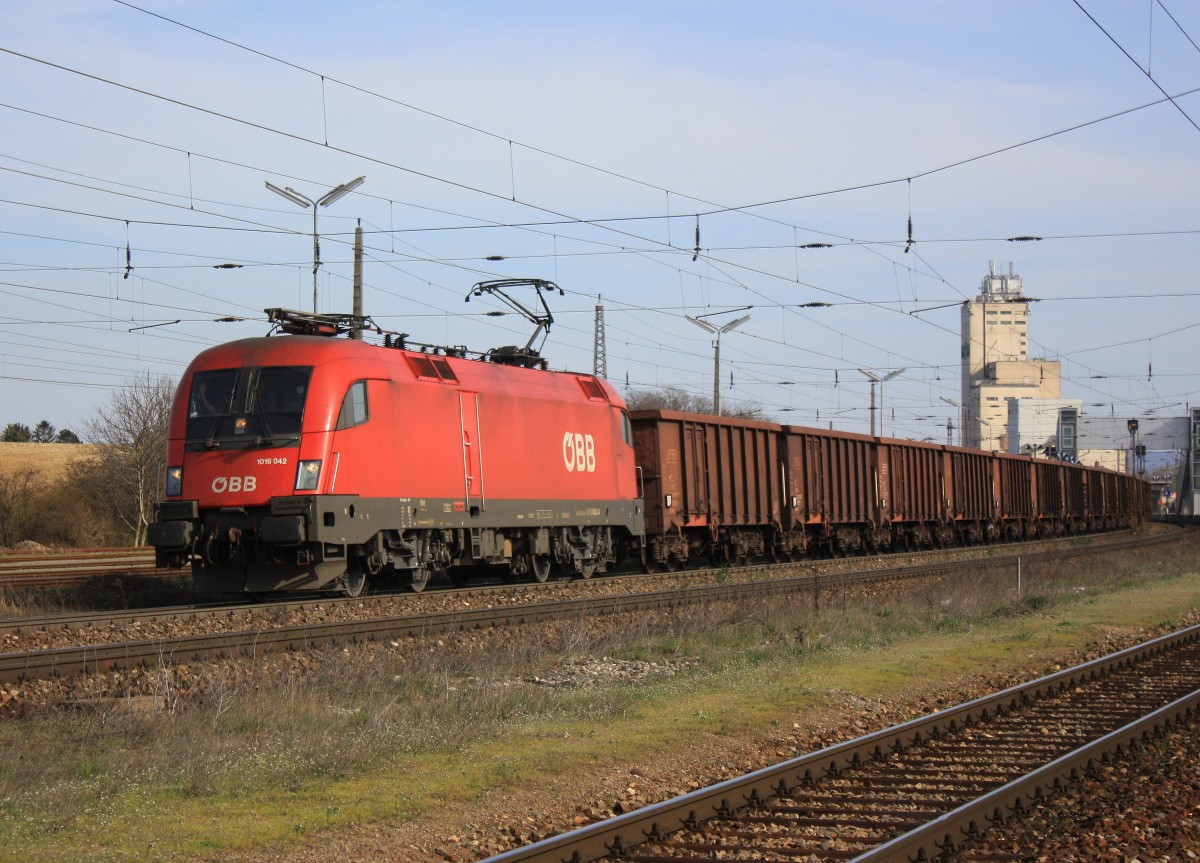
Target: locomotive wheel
x,y
351,584
420,578
539,567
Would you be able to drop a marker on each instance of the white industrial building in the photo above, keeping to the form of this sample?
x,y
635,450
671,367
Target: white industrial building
x,y
996,365
1032,426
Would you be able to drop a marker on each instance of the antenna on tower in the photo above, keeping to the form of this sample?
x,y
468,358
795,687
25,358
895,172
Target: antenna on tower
x,y
599,351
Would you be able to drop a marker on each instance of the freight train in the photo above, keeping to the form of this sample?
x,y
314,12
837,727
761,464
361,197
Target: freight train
x,y
302,461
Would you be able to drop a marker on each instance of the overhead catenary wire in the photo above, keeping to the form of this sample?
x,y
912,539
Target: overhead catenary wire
x,y
847,301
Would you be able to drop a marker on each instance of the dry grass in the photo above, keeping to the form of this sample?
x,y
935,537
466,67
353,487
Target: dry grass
x,y
377,732
51,460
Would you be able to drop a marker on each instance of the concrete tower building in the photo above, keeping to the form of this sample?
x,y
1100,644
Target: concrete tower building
x,y
995,360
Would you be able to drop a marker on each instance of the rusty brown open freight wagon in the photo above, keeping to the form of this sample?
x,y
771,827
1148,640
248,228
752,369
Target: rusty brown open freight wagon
x,y
726,490
711,485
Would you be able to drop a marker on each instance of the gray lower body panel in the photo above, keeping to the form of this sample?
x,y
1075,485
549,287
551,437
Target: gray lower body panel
x,y
331,542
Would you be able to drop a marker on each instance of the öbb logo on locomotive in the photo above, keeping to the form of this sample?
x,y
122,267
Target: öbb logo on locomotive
x,y
234,484
579,452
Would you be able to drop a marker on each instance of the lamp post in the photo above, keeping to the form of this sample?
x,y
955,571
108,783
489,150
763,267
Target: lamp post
x,y
718,332
324,201
876,379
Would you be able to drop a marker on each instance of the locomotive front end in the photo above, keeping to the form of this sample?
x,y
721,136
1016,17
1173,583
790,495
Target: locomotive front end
x,y
241,496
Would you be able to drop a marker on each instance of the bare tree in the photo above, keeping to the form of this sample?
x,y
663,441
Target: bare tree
x,y
676,399
127,471
667,399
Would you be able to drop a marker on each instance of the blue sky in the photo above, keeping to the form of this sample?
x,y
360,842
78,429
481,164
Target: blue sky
x,y
561,136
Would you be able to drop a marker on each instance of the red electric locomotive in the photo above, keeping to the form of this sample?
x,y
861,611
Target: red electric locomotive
x,y
303,462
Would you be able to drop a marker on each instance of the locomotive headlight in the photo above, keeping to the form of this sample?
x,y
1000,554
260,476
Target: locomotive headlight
x,y
175,481
309,473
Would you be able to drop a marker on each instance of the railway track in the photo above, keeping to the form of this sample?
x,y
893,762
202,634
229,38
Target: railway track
x,y
92,621
268,634
920,791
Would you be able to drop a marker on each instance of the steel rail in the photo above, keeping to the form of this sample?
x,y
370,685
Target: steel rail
x,y
652,823
94,619
59,662
947,834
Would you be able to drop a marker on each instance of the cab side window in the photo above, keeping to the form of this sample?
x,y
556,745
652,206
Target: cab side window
x,y
355,410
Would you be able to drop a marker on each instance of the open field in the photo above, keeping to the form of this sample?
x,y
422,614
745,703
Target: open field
x,y
51,459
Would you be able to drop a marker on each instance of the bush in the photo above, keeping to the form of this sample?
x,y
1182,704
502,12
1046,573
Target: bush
x,y
20,496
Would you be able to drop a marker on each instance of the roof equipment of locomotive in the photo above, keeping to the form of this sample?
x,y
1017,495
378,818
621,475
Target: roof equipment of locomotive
x,y
527,356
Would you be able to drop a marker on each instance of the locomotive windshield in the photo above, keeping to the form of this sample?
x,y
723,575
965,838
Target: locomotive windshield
x,y
244,407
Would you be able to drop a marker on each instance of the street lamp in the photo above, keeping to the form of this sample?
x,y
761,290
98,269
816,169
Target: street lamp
x,y
717,331
876,379
305,202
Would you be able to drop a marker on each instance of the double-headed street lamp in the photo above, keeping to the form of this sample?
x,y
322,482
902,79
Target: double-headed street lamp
x,y
876,379
718,332
324,201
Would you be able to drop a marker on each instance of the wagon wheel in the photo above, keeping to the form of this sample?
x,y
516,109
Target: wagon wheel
x,y
538,566
731,555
